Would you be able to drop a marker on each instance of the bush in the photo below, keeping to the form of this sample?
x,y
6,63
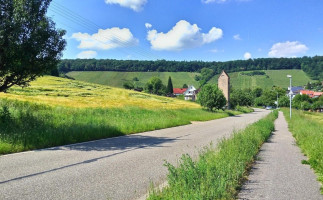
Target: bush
x,y
211,97
128,85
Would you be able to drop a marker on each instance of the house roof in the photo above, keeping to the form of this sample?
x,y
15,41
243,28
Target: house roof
x,y
223,72
297,89
179,90
311,93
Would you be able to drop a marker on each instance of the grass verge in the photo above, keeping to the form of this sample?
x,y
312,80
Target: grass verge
x,y
218,172
307,128
27,126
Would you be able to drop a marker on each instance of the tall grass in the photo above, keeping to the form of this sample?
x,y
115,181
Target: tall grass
x,y
218,173
26,125
307,128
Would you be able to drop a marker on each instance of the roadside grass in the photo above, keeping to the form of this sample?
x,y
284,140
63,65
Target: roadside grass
x,y
275,78
307,128
56,111
117,79
218,172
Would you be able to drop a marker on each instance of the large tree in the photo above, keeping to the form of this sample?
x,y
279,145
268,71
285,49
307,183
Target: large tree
x,y
155,86
211,97
30,45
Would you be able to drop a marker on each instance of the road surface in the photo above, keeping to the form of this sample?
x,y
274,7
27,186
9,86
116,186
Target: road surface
x,y
115,168
279,173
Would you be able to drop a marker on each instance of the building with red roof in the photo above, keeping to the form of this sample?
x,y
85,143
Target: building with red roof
x,y
179,91
311,94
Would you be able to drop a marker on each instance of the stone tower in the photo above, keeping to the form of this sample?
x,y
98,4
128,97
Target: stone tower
x,y
224,85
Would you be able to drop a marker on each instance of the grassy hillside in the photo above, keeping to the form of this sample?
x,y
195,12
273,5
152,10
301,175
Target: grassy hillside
x,y
56,111
64,92
116,79
238,80
271,78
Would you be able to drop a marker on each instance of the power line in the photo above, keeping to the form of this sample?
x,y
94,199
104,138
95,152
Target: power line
x,y
89,25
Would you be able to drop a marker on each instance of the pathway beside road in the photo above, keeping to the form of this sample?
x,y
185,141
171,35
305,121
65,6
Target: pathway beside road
x,y
279,173
115,168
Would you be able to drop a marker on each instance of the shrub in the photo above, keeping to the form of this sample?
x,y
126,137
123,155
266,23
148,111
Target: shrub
x,y
211,97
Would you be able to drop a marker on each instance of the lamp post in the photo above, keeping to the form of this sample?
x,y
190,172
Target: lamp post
x,y
277,101
290,95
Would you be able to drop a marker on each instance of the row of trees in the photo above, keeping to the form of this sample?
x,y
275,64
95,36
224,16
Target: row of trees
x,y
269,97
313,66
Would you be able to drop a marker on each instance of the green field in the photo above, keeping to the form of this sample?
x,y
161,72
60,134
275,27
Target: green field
x,y
272,78
117,79
56,111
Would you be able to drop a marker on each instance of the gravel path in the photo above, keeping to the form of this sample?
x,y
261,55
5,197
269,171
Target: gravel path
x,y
279,173
115,168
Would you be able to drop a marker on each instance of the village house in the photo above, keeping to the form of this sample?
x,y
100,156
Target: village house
x,y
295,90
311,94
179,91
190,93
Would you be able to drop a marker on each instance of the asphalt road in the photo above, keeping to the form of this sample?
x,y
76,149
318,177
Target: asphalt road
x,y
279,173
115,168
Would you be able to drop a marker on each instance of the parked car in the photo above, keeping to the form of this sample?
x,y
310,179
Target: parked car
x,y
269,107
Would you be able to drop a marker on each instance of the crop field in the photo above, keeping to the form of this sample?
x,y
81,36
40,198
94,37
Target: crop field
x,y
56,111
117,79
64,92
271,78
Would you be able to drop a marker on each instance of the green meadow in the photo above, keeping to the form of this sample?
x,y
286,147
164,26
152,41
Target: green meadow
x,y
56,111
117,79
270,79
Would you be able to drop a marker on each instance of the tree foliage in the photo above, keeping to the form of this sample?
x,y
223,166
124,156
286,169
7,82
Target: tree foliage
x,y
313,66
30,45
155,86
170,86
211,97
241,98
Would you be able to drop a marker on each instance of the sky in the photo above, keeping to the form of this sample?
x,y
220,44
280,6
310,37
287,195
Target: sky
x,y
207,30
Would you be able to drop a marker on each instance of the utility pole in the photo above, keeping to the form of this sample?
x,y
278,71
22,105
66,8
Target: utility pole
x,y
290,95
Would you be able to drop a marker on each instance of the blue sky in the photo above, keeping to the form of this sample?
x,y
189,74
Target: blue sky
x,y
209,30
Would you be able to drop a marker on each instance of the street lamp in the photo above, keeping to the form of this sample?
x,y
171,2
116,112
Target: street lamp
x,y
290,95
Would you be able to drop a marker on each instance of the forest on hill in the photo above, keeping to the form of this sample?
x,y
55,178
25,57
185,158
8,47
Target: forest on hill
x,y
313,66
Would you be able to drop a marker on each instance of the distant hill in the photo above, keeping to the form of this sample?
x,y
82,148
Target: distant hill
x,y
312,66
271,78
116,79
238,79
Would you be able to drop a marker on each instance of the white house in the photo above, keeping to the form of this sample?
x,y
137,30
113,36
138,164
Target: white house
x,y
190,93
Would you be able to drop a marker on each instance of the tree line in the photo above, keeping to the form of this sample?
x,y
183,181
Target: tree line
x,y
313,66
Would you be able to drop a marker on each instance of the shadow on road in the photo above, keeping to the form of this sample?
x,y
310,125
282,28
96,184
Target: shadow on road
x,y
122,144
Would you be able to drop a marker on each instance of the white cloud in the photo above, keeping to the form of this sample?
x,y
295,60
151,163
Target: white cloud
x,y
213,1
148,25
106,39
182,36
287,49
247,56
136,5
237,37
87,54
